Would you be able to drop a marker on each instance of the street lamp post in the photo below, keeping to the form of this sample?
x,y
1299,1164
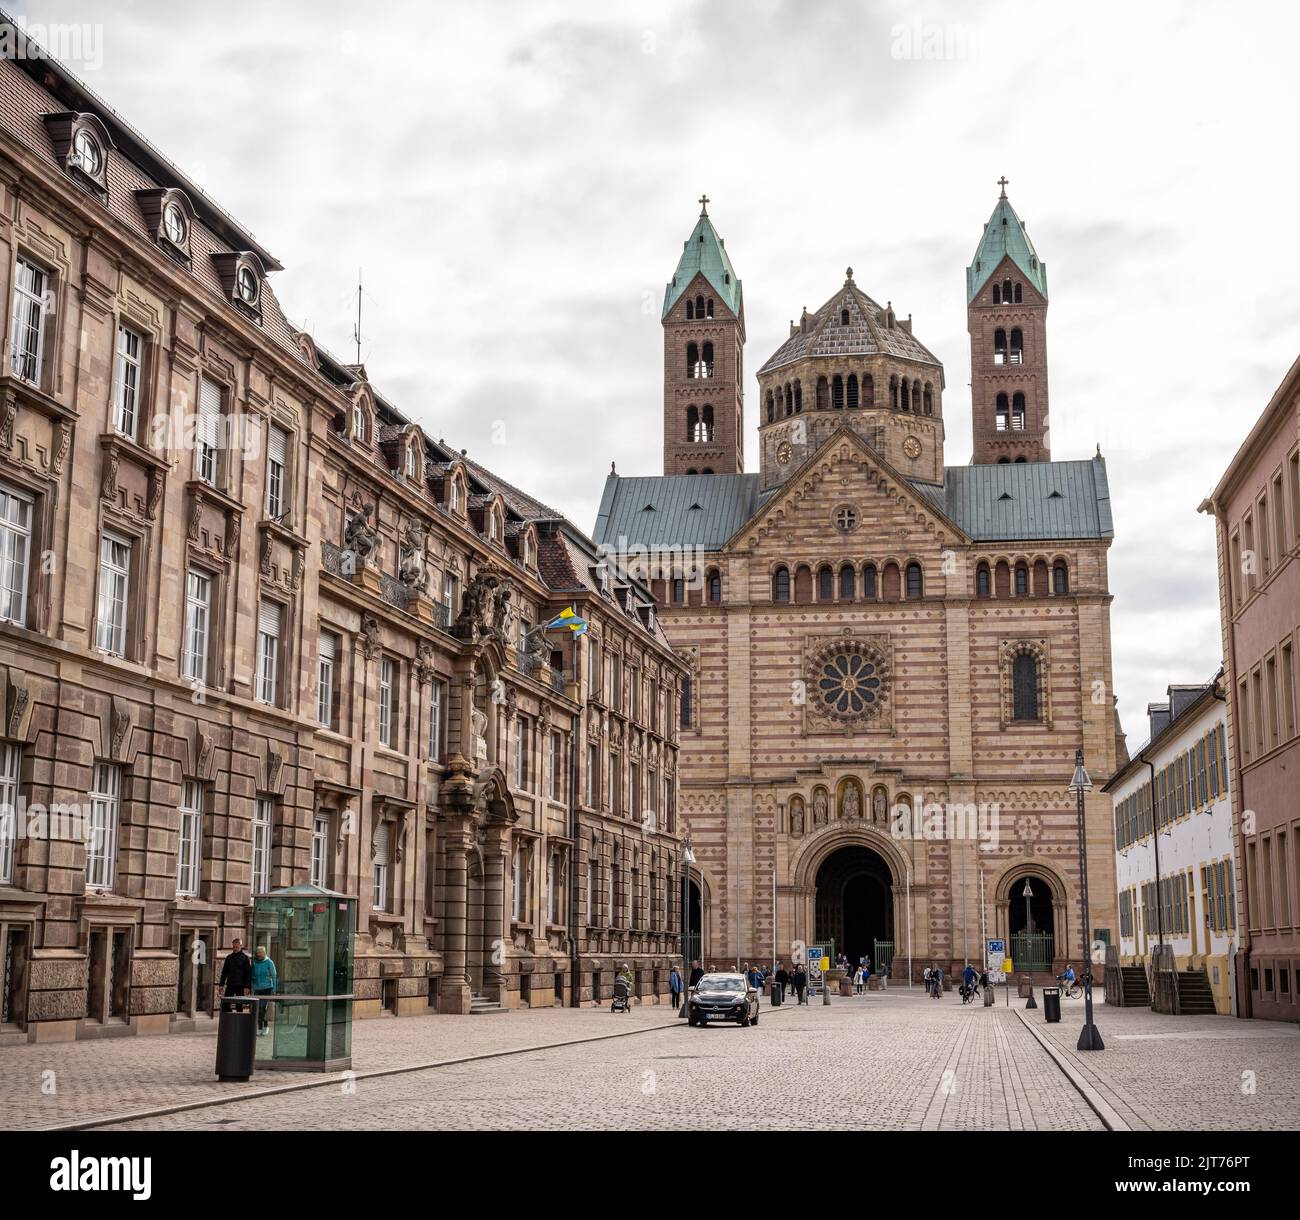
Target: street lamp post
x,y
688,858
1089,1036
1028,893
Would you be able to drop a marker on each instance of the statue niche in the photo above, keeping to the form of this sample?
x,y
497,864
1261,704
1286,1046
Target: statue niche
x,y
412,569
850,801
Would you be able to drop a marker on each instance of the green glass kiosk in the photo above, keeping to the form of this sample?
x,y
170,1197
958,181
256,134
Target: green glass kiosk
x,y
307,933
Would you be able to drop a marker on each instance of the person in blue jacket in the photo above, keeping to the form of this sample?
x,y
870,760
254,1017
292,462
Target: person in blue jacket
x,y
265,982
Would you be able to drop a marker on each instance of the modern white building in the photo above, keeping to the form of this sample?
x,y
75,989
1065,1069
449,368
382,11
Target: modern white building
x,y
1173,845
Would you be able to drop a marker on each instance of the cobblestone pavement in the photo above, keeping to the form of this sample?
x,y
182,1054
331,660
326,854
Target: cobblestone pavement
x,y
882,1061
1162,1073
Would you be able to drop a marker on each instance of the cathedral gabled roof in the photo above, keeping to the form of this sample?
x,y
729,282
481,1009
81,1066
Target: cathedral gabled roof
x,y
697,510
867,332
1005,236
703,253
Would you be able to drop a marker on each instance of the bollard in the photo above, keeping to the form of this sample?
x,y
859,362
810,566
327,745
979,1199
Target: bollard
x,y
826,991
1031,1002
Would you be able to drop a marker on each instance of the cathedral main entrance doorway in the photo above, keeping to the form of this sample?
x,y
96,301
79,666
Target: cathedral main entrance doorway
x,y
855,904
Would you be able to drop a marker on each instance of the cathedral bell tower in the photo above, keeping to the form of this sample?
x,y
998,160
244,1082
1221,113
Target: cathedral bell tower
x,y
1006,315
704,342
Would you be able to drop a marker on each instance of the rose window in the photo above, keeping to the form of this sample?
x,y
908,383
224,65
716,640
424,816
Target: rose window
x,y
849,681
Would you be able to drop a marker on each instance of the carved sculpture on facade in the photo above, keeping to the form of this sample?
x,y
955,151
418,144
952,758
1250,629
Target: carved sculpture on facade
x,y
851,804
413,570
880,806
820,811
478,734
360,536
485,608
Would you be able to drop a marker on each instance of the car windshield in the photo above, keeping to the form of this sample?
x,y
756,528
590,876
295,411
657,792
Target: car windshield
x,y
721,982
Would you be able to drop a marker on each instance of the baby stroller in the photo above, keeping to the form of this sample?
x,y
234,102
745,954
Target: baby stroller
x,y
622,996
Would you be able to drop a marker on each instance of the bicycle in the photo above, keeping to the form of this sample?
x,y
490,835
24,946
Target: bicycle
x,y
1070,988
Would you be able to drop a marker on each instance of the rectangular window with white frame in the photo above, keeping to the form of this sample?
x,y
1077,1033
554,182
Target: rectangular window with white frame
x,y
437,693
190,846
379,895
11,757
521,753
554,761
269,627
127,381
101,839
114,594
320,839
198,623
16,511
327,679
208,435
520,879
31,308
277,468
387,702
263,825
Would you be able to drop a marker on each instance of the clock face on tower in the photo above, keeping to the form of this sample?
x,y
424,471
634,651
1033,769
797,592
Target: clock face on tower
x,y
784,452
912,447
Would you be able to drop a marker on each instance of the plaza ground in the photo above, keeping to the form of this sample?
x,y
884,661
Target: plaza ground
x,y
891,1060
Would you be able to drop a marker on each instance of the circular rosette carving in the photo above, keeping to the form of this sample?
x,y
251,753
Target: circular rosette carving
x,y
848,680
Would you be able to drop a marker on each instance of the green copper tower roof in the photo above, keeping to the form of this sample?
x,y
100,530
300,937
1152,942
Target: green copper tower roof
x,y
1005,235
704,253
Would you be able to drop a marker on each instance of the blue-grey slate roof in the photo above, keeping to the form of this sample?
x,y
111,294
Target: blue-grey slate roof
x,y
1019,501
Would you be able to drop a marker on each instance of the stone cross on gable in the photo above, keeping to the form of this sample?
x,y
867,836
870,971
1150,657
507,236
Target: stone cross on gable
x,y
704,205
1002,182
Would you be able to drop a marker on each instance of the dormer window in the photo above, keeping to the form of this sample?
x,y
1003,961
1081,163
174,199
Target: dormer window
x,y
86,153
241,276
454,496
528,550
410,464
175,226
359,421
82,143
494,528
249,288
169,216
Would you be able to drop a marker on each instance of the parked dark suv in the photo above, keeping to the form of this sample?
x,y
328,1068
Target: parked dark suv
x,y
723,997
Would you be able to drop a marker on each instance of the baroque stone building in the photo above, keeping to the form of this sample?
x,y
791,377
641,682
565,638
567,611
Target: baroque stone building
x,y
892,660
257,629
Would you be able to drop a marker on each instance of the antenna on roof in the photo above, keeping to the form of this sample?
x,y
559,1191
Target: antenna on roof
x,y
356,330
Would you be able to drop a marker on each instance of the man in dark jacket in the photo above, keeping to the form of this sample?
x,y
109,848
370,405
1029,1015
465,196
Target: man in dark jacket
x,y
237,972
781,978
696,974
800,982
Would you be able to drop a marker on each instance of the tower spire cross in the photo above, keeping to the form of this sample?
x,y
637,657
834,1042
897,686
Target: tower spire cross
x,y
704,205
1002,182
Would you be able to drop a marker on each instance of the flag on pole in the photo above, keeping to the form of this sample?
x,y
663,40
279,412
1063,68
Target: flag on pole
x,y
567,618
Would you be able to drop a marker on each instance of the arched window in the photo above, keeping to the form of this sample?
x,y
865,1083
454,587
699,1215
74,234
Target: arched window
x,y
890,584
1018,412
982,582
837,392
781,584
853,390
803,584
1020,461
844,317
1017,293
771,407
1006,292
1040,578
1022,580
1004,461
702,431
916,395
823,394
893,393
1060,577
706,355
1003,413
692,360
1002,579
789,399
690,310
798,398
915,583
869,583
848,583
999,346
1017,345
1024,687
692,422
699,307
825,584
709,311
906,398
929,398
997,296
679,590
359,422
868,391
715,586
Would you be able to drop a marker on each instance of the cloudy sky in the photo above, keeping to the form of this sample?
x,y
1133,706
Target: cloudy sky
x,y
516,181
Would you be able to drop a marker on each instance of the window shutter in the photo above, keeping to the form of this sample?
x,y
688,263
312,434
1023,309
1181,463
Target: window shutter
x,y
328,645
383,837
209,409
277,445
268,619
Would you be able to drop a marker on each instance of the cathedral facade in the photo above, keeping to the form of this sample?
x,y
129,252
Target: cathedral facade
x,y
892,661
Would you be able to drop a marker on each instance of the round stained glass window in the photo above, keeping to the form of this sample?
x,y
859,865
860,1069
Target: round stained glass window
x,y
849,680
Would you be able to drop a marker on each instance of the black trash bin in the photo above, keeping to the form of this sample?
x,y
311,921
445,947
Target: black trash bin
x,y
236,1039
778,993
1051,1004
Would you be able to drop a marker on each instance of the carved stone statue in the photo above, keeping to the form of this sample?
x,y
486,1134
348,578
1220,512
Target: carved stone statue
x,y
796,818
501,609
819,809
360,536
852,807
412,570
485,606
880,811
478,721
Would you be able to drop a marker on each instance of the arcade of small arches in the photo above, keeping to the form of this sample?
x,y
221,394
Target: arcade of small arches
x,y
1004,354
700,309
1005,578
888,582
1008,292
845,801
1010,413
839,391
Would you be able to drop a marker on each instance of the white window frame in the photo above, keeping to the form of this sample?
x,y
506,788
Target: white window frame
x,y
410,463
263,827
16,512
358,422
101,840
553,762
189,846
268,654
437,690
207,436
521,737
326,675
31,307
379,895
11,761
127,378
519,882
320,838
114,604
388,678
277,470
198,625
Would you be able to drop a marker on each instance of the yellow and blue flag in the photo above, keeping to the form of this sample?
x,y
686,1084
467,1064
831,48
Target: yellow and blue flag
x,y
567,618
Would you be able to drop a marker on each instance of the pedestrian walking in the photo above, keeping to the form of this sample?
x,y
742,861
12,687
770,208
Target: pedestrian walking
x,y
236,972
857,980
800,983
781,978
265,982
925,978
696,973
675,986
937,976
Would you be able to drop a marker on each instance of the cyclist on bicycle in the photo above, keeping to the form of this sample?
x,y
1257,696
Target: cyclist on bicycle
x,y
1068,978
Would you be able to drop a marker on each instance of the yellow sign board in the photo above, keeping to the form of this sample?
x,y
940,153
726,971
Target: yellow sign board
x,y
1006,966
826,964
